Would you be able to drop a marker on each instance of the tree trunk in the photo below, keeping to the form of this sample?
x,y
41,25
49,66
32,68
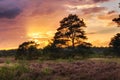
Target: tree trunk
x,y
73,44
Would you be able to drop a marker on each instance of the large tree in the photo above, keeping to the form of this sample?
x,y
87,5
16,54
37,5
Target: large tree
x,y
115,44
70,32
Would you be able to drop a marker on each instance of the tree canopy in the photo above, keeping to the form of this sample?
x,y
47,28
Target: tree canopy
x,y
115,44
70,32
27,50
117,20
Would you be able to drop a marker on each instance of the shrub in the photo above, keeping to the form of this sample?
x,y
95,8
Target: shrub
x,y
27,50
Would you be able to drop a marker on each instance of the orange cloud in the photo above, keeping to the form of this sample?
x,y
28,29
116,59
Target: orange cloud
x,y
108,16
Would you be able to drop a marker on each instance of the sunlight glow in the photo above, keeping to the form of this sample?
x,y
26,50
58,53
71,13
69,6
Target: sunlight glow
x,y
39,38
81,6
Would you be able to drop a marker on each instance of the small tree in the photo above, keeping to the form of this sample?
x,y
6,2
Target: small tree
x,y
70,32
27,50
115,44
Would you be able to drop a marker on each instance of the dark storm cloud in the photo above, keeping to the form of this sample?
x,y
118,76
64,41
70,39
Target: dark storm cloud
x,y
10,13
9,8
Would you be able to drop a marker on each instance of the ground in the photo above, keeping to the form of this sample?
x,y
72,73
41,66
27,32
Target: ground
x,y
87,69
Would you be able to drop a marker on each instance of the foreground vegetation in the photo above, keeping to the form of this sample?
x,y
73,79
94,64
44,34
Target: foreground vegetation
x,y
88,69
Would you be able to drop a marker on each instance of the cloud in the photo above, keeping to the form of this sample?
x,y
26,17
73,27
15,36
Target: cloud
x,y
40,7
44,7
111,12
78,7
9,9
108,16
12,13
84,2
103,31
93,10
100,1
91,33
7,29
108,30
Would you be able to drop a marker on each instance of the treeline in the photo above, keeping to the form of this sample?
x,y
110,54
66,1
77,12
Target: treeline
x,y
8,53
45,54
68,42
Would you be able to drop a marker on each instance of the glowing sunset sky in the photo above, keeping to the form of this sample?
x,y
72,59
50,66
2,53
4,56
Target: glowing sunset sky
x,y
23,20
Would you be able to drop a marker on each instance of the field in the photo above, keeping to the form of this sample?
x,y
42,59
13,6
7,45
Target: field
x,y
61,69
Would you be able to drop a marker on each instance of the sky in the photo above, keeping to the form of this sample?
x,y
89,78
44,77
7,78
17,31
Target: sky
x,y
24,20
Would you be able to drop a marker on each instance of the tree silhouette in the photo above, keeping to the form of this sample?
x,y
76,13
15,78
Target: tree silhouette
x,y
70,32
27,50
117,20
115,41
115,44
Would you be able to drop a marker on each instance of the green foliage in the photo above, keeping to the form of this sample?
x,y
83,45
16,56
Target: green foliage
x,y
27,50
12,73
7,62
20,69
46,71
6,73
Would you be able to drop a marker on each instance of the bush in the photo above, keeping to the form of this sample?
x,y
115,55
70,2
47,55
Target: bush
x,y
27,50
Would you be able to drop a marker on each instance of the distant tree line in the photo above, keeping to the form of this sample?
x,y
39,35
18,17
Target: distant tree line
x,y
7,53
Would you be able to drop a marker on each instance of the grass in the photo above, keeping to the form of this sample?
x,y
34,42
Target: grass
x,y
47,69
12,72
117,60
